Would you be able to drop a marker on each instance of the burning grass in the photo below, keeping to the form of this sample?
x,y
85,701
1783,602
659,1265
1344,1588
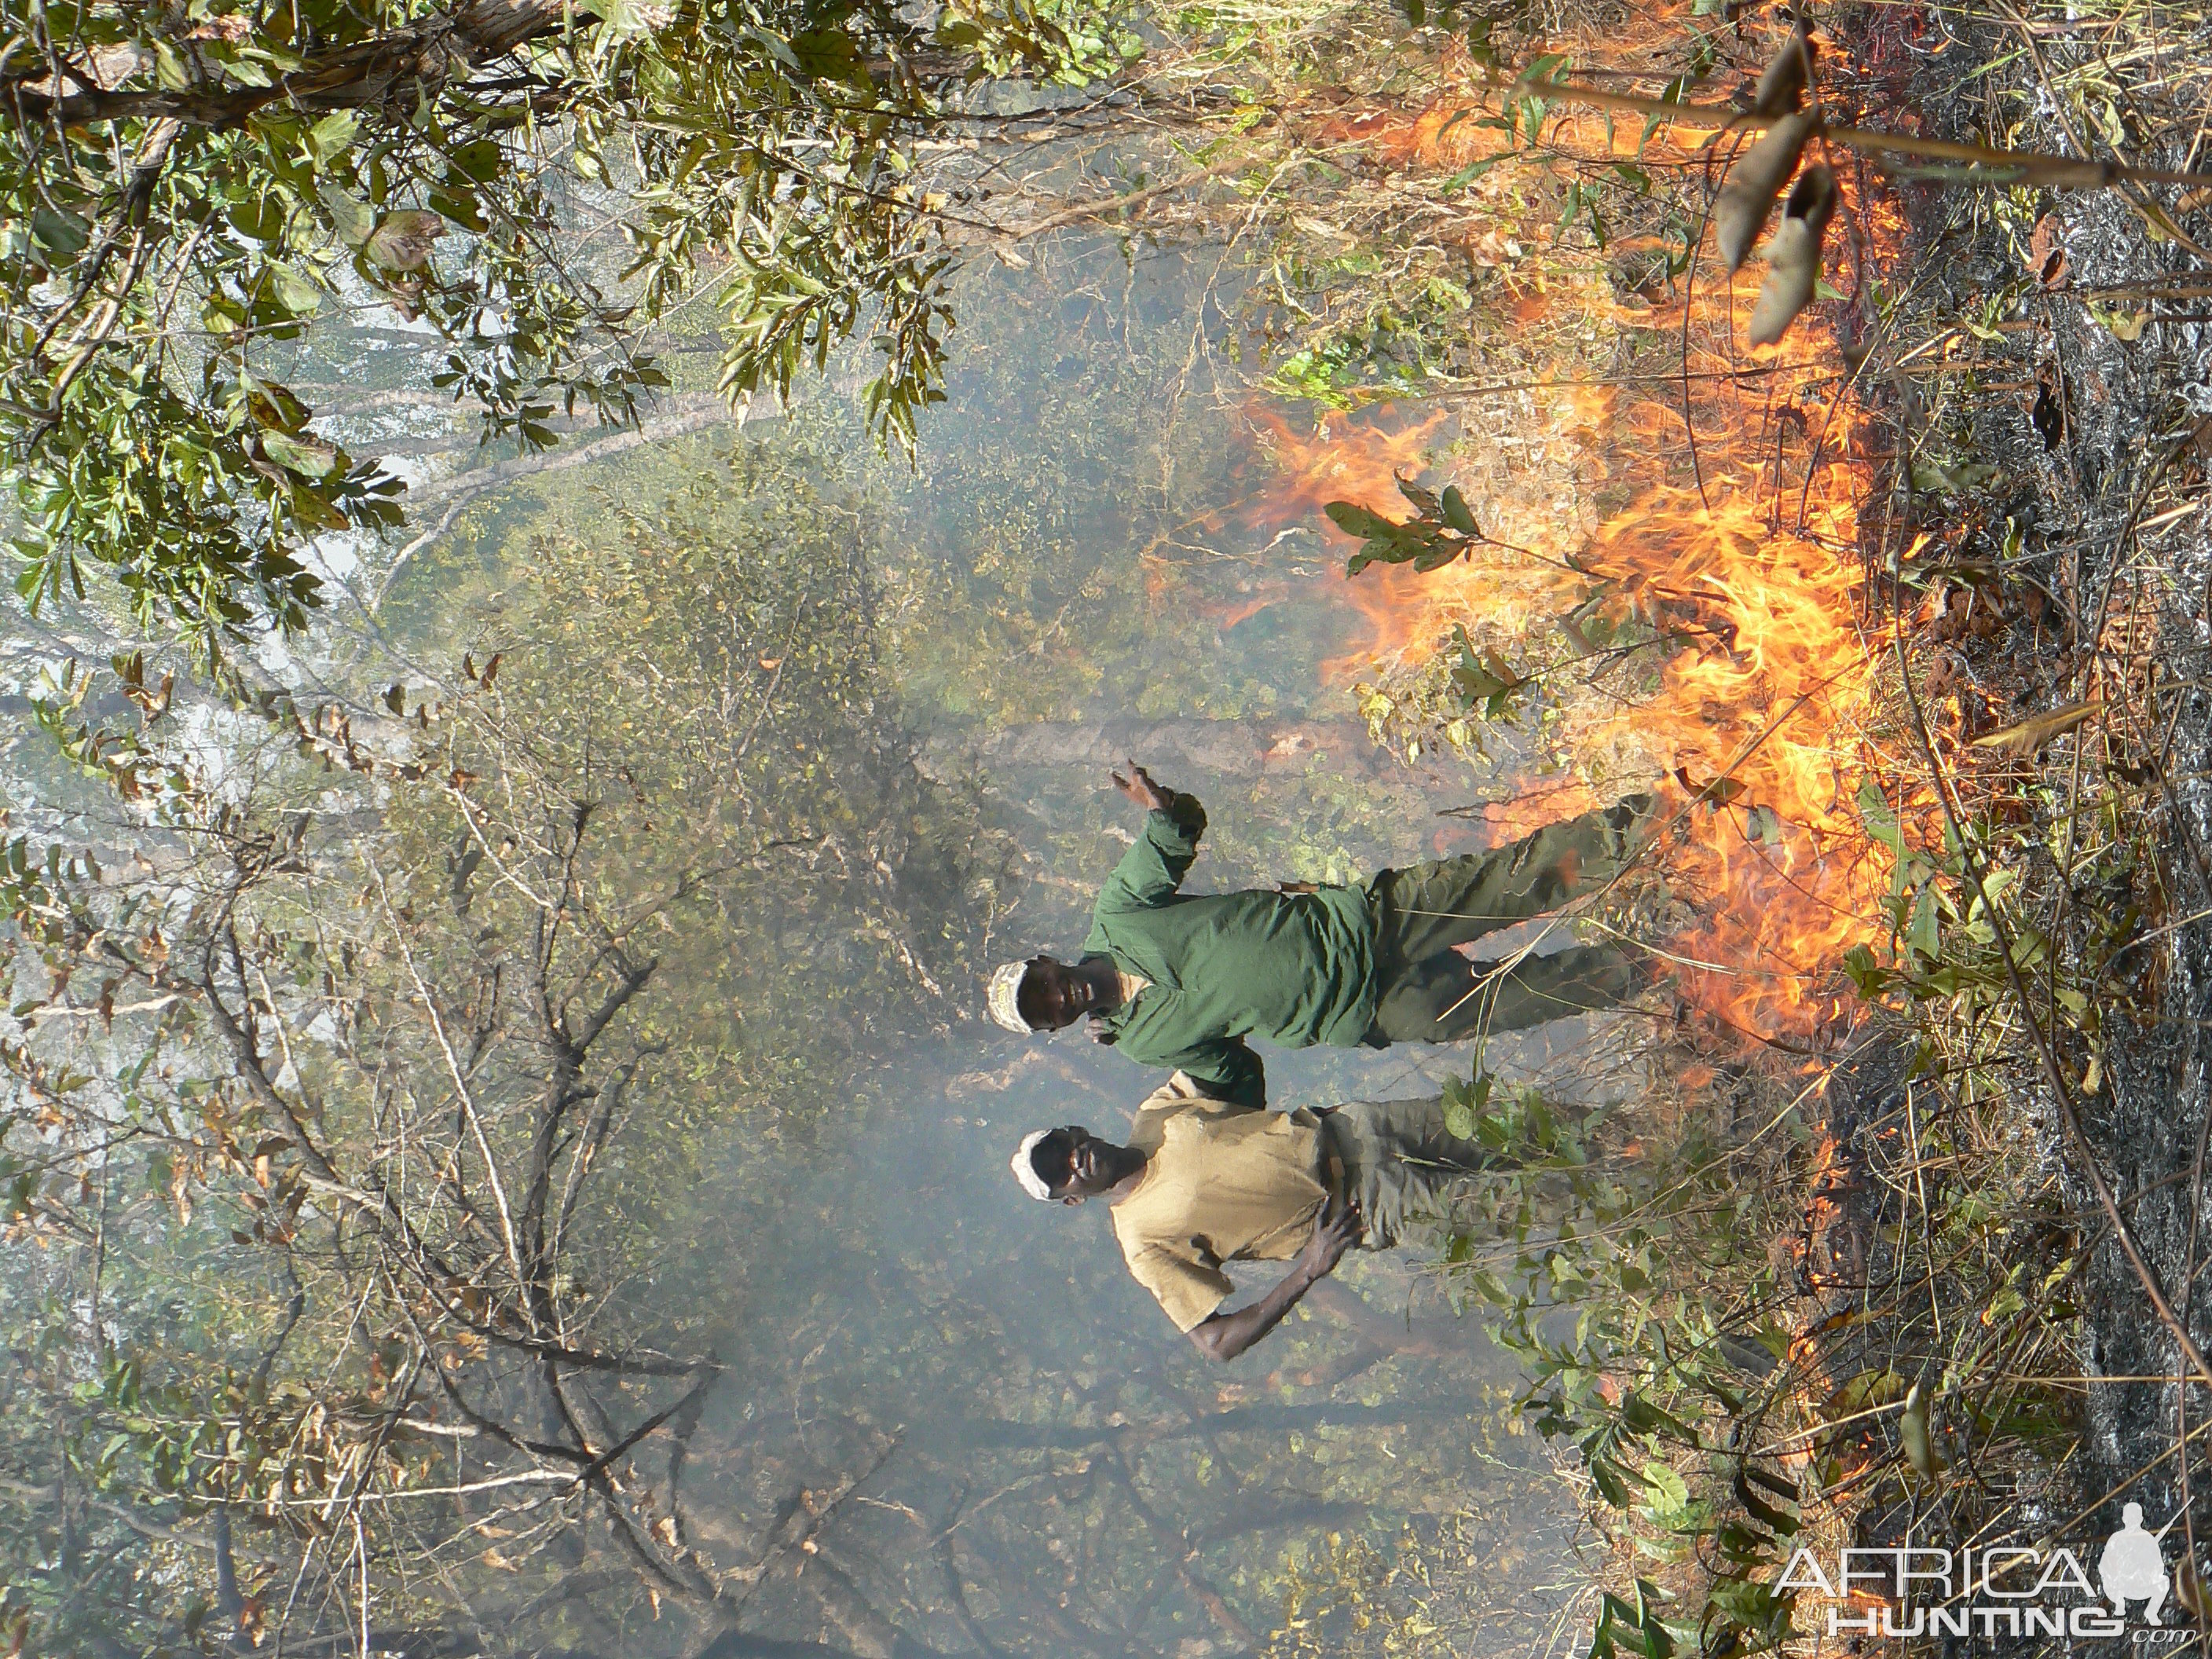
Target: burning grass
x,y
1912,753
1706,633
1686,570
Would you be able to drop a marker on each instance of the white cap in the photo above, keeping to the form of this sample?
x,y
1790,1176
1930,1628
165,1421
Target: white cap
x,y
1003,999
1026,1170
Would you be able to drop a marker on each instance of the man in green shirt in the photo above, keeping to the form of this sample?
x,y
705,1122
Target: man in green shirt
x,y
1181,981
1203,1183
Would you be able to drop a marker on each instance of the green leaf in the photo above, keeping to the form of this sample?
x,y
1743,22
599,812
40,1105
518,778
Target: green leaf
x,y
1658,1642
260,216
1779,1521
1425,501
240,68
1641,1415
1473,170
478,160
828,55
59,230
310,457
1872,980
352,217
1356,520
1459,1119
1920,934
458,203
169,66
297,293
1670,1491
777,47
332,135
1879,821
1610,1487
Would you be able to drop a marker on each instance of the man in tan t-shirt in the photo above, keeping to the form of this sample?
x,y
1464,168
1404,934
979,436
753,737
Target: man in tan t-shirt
x,y
1203,1183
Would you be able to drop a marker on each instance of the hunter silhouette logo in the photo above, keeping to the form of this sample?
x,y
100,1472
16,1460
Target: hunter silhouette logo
x,y
2133,1566
1904,1592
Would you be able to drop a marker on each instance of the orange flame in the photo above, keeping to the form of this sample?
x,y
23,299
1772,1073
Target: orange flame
x,y
1738,552
1775,700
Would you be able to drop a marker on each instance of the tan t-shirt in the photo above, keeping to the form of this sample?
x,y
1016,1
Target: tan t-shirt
x,y
1224,1183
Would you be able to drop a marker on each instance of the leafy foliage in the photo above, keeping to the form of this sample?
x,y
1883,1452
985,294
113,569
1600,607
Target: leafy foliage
x,y
1443,529
1603,1268
183,194
350,1107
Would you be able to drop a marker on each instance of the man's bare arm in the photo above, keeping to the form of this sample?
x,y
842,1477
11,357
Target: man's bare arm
x,y
1336,1230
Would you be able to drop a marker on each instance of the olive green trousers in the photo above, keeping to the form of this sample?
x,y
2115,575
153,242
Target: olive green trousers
x,y
1428,992
1401,1167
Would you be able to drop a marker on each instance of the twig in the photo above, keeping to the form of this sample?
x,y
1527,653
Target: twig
x,y
2052,172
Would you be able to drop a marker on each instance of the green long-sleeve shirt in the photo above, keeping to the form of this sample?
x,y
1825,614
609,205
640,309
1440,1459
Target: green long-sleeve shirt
x,y
1294,968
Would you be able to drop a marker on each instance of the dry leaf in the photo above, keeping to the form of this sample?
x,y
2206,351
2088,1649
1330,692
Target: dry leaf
x,y
403,241
1793,257
2189,1589
1913,1430
2046,252
2030,735
1782,87
1739,214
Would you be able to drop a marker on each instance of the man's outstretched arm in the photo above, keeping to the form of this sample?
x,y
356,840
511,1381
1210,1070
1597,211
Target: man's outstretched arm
x,y
1336,1230
1154,869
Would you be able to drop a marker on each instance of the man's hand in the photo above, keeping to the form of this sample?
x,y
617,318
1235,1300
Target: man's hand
x,y
1140,788
1336,1230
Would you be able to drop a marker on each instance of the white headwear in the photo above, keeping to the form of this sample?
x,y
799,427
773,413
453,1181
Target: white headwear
x,y
1003,999
1025,1169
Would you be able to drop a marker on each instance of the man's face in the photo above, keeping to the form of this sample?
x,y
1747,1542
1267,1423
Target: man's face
x,y
1075,1163
1054,995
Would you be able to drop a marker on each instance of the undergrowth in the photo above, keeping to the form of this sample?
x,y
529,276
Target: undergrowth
x,y
1829,1289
